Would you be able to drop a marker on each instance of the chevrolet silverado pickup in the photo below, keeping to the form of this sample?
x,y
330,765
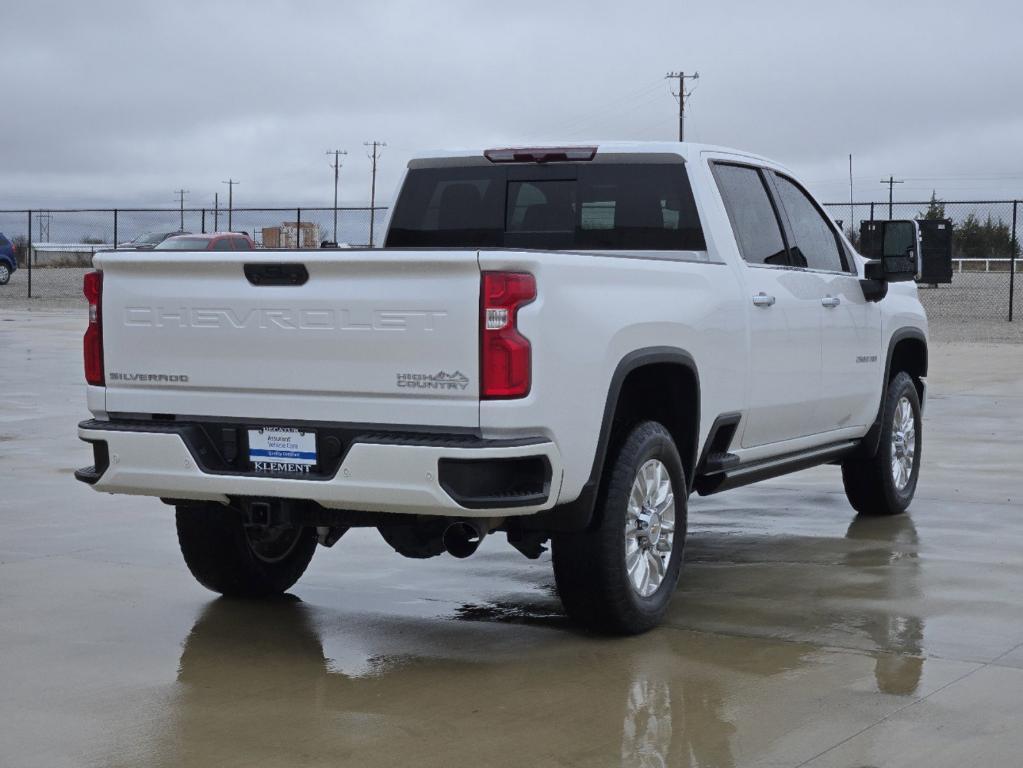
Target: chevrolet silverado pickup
x,y
558,343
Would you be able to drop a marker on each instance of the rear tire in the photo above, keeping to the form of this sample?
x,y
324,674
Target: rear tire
x,y
5,274
235,560
885,483
598,572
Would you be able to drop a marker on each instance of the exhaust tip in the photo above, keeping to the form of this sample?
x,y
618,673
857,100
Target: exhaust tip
x,y
462,539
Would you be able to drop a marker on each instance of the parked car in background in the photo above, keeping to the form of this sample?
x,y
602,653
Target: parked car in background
x,y
8,261
152,239
215,241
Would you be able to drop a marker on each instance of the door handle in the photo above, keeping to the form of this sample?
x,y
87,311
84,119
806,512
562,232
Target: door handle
x,y
830,301
762,300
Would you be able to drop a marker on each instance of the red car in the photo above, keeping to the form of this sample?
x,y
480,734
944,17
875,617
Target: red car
x,y
215,241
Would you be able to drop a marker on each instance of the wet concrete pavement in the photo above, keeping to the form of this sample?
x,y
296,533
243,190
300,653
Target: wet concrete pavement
x,y
800,635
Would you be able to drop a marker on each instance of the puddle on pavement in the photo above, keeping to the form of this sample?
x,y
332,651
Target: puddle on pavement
x,y
536,614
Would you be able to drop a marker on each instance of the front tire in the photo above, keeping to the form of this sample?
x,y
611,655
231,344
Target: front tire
x,y
5,274
619,576
236,560
884,484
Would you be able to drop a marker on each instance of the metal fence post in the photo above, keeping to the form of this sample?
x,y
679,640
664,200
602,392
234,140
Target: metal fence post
x,y
115,229
871,211
204,221
1012,258
298,228
28,254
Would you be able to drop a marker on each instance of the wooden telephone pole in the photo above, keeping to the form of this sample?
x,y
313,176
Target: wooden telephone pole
x,y
682,96
373,187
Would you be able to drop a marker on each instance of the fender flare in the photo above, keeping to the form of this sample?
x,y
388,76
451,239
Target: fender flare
x,y
576,515
871,441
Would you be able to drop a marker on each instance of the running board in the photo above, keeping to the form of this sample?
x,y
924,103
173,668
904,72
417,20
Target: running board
x,y
753,472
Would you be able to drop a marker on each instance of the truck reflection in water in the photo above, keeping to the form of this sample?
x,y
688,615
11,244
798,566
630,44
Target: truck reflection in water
x,y
891,558
256,676
256,685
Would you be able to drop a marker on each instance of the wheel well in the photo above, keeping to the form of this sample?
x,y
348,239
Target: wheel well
x,y
910,355
668,393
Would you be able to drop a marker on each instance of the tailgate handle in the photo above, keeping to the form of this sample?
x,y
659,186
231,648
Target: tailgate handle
x,y
276,274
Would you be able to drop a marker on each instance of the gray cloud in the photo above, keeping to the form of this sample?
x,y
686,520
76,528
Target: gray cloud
x,y
119,103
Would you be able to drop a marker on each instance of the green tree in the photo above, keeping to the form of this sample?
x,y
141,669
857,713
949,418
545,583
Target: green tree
x,y
988,239
935,209
967,239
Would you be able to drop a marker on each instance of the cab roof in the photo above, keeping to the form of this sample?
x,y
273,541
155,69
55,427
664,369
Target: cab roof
x,y
689,151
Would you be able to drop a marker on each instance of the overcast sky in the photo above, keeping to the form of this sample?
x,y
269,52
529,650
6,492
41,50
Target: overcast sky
x,y
122,103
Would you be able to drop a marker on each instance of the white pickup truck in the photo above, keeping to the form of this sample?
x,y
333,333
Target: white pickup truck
x,y
560,343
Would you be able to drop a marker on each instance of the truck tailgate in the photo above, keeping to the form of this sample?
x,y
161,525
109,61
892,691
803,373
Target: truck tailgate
x,y
374,337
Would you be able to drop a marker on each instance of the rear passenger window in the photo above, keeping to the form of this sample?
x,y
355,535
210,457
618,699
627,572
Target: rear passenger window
x,y
223,244
816,245
753,219
241,244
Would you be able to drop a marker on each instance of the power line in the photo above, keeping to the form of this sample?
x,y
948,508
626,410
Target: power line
x,y
336,165
624,103
682,95
230,202
373,187
181,201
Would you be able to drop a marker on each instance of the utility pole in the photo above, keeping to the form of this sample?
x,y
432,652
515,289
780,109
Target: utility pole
x,y
337,168
216,210
682,96
891,181
373,188
181,201
230,202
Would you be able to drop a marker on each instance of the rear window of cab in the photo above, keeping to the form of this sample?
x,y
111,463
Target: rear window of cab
x,y
556,206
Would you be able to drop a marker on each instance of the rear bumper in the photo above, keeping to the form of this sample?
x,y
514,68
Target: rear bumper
x,y
450,475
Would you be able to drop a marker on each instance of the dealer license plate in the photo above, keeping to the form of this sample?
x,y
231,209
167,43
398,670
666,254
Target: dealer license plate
x,y
280,449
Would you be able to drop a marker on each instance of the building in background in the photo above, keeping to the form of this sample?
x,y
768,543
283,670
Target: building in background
x,y
288,233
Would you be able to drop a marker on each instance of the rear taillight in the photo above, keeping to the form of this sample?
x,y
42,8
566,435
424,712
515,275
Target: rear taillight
x,y
93,290
505,354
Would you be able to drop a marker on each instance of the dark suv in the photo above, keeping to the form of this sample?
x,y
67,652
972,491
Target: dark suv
x,y
8,262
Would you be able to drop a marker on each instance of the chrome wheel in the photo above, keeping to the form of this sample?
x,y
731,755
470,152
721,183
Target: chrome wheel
x,y
649,527
903,443
5,273
271,545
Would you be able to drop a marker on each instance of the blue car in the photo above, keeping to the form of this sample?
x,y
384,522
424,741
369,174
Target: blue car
x,y
8,264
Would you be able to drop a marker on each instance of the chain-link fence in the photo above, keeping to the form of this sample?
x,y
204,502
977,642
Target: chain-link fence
x,y
54,248
985,254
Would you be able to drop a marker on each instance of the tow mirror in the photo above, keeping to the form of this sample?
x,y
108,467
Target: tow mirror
x,y
894,250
